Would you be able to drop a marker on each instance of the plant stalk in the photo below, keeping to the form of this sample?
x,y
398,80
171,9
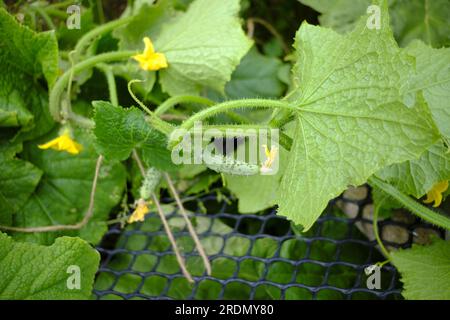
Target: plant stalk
x,y
230,105
58,88
411,204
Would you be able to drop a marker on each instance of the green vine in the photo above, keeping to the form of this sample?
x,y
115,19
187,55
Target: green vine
x,y
173,101
94,33
230,105
412,205
60,85
383,249
110,79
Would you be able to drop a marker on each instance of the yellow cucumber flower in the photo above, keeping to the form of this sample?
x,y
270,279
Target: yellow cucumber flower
x,y
270,158
435,194
150,60
63,143
140,211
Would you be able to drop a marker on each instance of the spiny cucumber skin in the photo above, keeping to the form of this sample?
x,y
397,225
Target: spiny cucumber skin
x,y
151,181
223,164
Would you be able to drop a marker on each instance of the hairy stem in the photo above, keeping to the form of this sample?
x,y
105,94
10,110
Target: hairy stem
x,y
230,105
58,88
234,127
411,204
66,108
154,120
111,80
376,232
105,28
76,226
173,101
240,130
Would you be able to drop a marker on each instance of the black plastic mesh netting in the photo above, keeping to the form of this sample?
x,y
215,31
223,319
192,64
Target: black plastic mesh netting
x,y
257,256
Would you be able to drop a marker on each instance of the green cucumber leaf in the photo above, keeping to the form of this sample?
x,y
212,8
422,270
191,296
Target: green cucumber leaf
x,y
433,79
425,20
416,177
31,53
118,131
341,15
9,149
34,272
254,193
147,21
256,77
425,271
202,183
192,42
351,120
203,47
24,57
148,18
18,179
18,115
62,196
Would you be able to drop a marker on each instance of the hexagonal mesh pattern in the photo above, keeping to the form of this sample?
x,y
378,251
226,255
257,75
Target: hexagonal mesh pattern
x,y
252,256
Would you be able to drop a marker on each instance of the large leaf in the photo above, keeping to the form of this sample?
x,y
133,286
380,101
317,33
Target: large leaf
x,y
118,131
256,77
426,20
416,177
433,79
351,121
147,21
202,47
425,271
31,271
18,179
341,15
62,196
24,57
419,19
255,193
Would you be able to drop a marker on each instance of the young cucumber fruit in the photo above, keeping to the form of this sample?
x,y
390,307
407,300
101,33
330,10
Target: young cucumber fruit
x,y
151,181
224,164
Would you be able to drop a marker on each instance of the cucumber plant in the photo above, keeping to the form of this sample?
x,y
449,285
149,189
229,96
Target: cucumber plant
x,y
364,102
